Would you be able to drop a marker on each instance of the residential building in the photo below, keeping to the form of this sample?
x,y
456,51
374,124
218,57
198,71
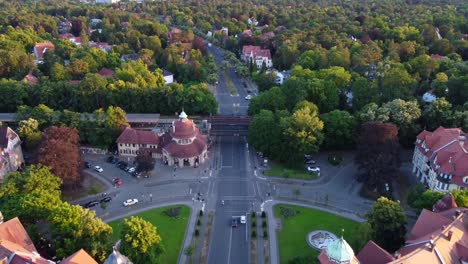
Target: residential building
x,y
182,145
168,76
440,159
31,79
107,1
438,236
106,73
16,247
72,38
104,46
11,154
129,57
40,49
257,56
133,142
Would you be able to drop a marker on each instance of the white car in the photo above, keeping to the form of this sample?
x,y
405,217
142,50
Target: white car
x,y
131,170
242,219
98,169
314,169
248,97
130,202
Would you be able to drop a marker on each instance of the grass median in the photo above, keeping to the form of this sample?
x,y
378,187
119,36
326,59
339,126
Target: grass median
x,y
293,172
292,237
171,230
230,85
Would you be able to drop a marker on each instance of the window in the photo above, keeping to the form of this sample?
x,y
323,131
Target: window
x,y
465,179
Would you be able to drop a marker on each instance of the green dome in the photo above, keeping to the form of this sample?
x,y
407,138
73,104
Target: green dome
x,y
340,251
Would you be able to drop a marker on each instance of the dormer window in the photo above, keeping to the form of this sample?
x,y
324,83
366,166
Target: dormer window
x,y
465,179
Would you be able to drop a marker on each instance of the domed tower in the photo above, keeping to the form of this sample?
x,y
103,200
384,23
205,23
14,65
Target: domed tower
x,y
184,144
338,252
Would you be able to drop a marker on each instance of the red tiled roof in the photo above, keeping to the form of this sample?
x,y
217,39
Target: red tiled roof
x,y
79,257
19,254
41,48
374,254
184,128
187,151
437,56
427,222
256,51
31,79
133,136
447,202
13,231
106,72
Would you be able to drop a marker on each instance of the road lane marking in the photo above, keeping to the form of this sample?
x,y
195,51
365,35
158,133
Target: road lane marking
x,y
230,243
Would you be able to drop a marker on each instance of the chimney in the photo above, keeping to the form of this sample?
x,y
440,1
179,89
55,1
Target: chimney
x,y
449,235
431,245
443,227
457,213
397,255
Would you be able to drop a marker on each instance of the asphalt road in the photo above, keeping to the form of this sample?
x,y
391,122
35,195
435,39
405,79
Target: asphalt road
x,y
229,244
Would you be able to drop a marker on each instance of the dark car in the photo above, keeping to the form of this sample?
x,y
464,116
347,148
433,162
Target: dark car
x,y
106,199
309,162
91,204
115,161
110,159
234,222
87,165
123,165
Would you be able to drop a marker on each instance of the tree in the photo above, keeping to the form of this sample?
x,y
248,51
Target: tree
x,y
265,81
361,237
73,227
29,132
438,113
378,153
404,114
364,92
140,240
59,149
426,199
145,162
188,251
339,129
396,84
303,131
272,100
296,193
388,222
458,90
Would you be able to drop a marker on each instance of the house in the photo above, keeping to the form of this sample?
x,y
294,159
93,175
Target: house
x,y
40,49
439,236
280,76
16,247
106,73
107,1
129,57
182,145
440,159
437,57
429,96
31,79
104,46
256,55
11,155
168,76
72,38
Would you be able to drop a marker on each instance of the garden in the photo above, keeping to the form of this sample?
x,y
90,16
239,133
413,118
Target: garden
x,y
170,222
297,222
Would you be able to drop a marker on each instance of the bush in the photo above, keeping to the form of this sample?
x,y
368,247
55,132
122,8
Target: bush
x,y
197,232
264,224
254,224
253,214
198,222
173,212
254,234
265,234
287,212
201,213
263,214
335,159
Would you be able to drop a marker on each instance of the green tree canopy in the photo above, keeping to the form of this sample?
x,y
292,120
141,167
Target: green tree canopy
x,y
339,129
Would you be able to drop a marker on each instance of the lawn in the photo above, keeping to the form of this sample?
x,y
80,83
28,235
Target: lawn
x,y
292,237
171,230
297,172
230,85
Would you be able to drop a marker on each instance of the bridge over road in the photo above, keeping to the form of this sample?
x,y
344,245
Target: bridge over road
x,y
229,125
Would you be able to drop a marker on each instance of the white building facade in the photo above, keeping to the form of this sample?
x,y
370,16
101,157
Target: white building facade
x,y
11,154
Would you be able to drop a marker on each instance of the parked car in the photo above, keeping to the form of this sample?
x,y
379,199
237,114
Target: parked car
x,y
243,219
106,199
110,159
309,162
115,160
131,170
248,97
98,169
313,169
91,204
117,181
130,202
307,156
87,165
245,85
